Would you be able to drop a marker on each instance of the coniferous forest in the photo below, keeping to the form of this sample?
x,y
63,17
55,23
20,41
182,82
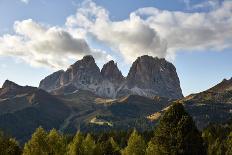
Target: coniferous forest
x,y
175,134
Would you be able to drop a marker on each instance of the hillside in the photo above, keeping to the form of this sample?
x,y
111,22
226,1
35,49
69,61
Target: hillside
x,y
211,106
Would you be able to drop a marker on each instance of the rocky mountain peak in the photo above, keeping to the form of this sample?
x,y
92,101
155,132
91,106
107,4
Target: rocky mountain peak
x,y
10,85
148,76
88,58
225,85
111,72
84,71
156,75
53,78
148,70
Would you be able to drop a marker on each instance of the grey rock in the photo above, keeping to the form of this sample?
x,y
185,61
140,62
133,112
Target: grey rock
x,y
148,76
151,76
52,81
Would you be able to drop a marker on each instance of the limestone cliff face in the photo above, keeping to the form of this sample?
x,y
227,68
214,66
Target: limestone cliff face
x,y
148,76
52,81
151,76
111,72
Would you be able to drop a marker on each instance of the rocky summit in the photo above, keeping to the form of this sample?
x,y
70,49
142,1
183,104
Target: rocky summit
x,y
148,76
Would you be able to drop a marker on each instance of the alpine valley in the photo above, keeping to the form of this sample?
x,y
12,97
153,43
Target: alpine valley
x,y
89,99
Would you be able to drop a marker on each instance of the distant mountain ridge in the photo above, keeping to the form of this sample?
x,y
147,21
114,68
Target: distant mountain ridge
x,y
148,76
211,106
24,108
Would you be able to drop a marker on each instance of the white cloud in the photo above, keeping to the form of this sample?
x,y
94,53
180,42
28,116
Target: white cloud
x,y
131,37
192,31
149,31
25,1
40,45
156,32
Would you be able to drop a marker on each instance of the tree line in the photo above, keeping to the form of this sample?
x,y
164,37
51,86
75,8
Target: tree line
x,y
175,134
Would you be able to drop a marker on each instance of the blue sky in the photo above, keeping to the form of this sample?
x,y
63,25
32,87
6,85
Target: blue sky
x,y
197,44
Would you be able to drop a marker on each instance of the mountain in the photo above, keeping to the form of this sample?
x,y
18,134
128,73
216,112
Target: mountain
x,y
90,112
148,76
24,108
211,106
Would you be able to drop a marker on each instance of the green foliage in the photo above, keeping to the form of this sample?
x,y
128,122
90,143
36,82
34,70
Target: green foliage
x,y
38,144
8,146
75,147
45,143
108,147
218,138
229,144
135,146
56,142
88,145
176,133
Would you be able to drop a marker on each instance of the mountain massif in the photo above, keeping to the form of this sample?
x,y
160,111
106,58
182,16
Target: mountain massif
x,y
148,76
89,99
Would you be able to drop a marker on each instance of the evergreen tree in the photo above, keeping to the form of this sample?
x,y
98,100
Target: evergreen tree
x,y
38,144
108,147
217,137
8,146
115,146
135,146
88,145
176,133
75,147
229,144
56,142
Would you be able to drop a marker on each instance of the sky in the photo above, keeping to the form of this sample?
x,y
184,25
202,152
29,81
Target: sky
x,y
38,37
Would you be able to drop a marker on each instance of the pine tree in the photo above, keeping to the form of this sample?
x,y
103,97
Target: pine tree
x,y
75,147
8,146
38,143
115,146
229,144
176,133
108,147
56,142
88,145
135,146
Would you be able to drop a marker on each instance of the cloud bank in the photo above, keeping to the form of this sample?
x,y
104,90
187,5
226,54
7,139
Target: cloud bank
x,y
157,32
148,30
40,45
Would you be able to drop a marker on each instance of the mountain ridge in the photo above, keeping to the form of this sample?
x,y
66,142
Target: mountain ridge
x,y
158,78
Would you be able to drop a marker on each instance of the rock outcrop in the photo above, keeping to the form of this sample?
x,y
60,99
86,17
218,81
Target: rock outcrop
x,y
148,76
111,72
151,76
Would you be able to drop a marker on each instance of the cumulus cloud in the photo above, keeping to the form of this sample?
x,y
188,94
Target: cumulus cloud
x,y
40,45
156,32
131,37
148,30
192,31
